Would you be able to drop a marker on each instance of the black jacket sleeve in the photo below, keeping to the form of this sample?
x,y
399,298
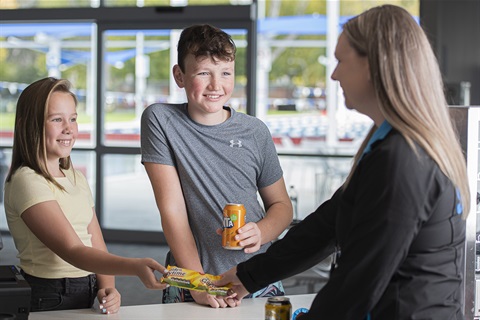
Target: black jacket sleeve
x,y
304,245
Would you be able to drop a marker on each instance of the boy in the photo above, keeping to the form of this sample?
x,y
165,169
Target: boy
x,y
201,155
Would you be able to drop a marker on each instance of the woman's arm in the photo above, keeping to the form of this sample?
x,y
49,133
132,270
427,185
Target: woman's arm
x,y
304,245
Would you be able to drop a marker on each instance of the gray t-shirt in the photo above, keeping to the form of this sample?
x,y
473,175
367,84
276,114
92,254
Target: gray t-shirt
x,y
219,164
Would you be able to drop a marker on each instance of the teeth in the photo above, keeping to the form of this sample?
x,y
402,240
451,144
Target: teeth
x,y
213,96
65,143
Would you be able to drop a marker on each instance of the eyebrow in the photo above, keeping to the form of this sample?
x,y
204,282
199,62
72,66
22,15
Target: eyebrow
x,y
61,114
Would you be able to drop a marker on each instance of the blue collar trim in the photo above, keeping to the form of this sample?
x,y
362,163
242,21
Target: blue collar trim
x,y
378,135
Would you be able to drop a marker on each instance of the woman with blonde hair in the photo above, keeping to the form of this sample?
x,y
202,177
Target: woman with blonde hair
x,y
51,214
396,223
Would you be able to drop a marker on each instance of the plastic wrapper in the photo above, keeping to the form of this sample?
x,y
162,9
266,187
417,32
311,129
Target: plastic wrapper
x,y
193,280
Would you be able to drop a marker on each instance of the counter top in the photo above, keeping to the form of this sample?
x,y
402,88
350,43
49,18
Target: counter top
x,y
250,309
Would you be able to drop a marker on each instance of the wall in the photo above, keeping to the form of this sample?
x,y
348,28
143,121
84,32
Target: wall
x,y
453,27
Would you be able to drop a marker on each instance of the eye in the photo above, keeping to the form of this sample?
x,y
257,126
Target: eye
x,y
73,119
57,120
227,73
203,73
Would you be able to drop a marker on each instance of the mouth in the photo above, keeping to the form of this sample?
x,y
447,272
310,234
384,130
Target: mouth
x,y
65,143
213,96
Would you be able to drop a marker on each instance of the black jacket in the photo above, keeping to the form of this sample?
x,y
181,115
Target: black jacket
x,y
401,240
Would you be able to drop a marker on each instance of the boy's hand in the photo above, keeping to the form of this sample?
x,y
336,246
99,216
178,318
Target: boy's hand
x,y
204,298
250,237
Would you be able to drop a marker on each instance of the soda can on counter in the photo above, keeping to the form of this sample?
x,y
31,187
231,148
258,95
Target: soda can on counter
x,y
233,219
278,308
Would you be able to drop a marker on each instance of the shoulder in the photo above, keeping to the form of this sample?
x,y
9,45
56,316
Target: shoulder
x,y
163,108
27,186
75,175
397,156
250,121
160,114
396,146
26,175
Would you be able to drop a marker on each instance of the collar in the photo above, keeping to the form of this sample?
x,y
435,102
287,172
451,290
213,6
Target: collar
x,y
378,135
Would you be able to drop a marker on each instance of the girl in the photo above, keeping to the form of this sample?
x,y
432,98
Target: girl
x,y
50,210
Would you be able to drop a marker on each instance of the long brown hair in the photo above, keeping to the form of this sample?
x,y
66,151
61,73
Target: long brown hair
x,y
29,147
409,88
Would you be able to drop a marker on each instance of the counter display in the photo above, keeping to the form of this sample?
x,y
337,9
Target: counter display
x,y
250,309
467,122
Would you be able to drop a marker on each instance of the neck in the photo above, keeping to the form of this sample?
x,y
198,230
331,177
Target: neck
x,y
210,119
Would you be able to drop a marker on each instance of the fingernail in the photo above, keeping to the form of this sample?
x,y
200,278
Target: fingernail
x,y
104,301
104,310
101,306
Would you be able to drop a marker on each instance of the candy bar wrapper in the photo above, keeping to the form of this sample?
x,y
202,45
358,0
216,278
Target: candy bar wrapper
x,y
193,280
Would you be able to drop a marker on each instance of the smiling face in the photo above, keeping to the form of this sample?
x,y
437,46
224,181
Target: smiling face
x,y
208,84
353,74
61,128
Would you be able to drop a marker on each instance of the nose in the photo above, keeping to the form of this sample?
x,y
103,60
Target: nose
x,y
334,75
214,83
67,129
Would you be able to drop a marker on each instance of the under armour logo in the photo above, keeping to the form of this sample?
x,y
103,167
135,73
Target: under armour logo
x,y
235,143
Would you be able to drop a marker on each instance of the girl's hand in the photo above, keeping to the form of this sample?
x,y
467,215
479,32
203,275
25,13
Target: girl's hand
x,y
109,299
145,271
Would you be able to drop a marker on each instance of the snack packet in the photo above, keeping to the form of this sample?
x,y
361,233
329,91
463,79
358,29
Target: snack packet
x,y
193,280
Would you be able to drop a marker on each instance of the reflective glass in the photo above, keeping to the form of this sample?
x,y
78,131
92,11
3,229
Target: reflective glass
x,y
5,160
303,108
139,72
174,3
23,4
315,179
31,51
129,203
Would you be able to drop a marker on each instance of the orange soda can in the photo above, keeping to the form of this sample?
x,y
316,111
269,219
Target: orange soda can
x,y
233,219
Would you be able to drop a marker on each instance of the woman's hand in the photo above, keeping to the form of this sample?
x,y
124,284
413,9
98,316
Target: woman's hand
x,y
238,291
145,270
109,299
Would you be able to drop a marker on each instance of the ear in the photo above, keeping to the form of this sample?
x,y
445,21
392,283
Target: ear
x,y
178,76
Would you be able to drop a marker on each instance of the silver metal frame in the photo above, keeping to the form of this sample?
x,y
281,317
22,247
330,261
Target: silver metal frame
x,y
135,18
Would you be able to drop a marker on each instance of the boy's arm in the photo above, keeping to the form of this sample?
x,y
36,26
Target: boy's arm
x,y
173,213
171,203
279,211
